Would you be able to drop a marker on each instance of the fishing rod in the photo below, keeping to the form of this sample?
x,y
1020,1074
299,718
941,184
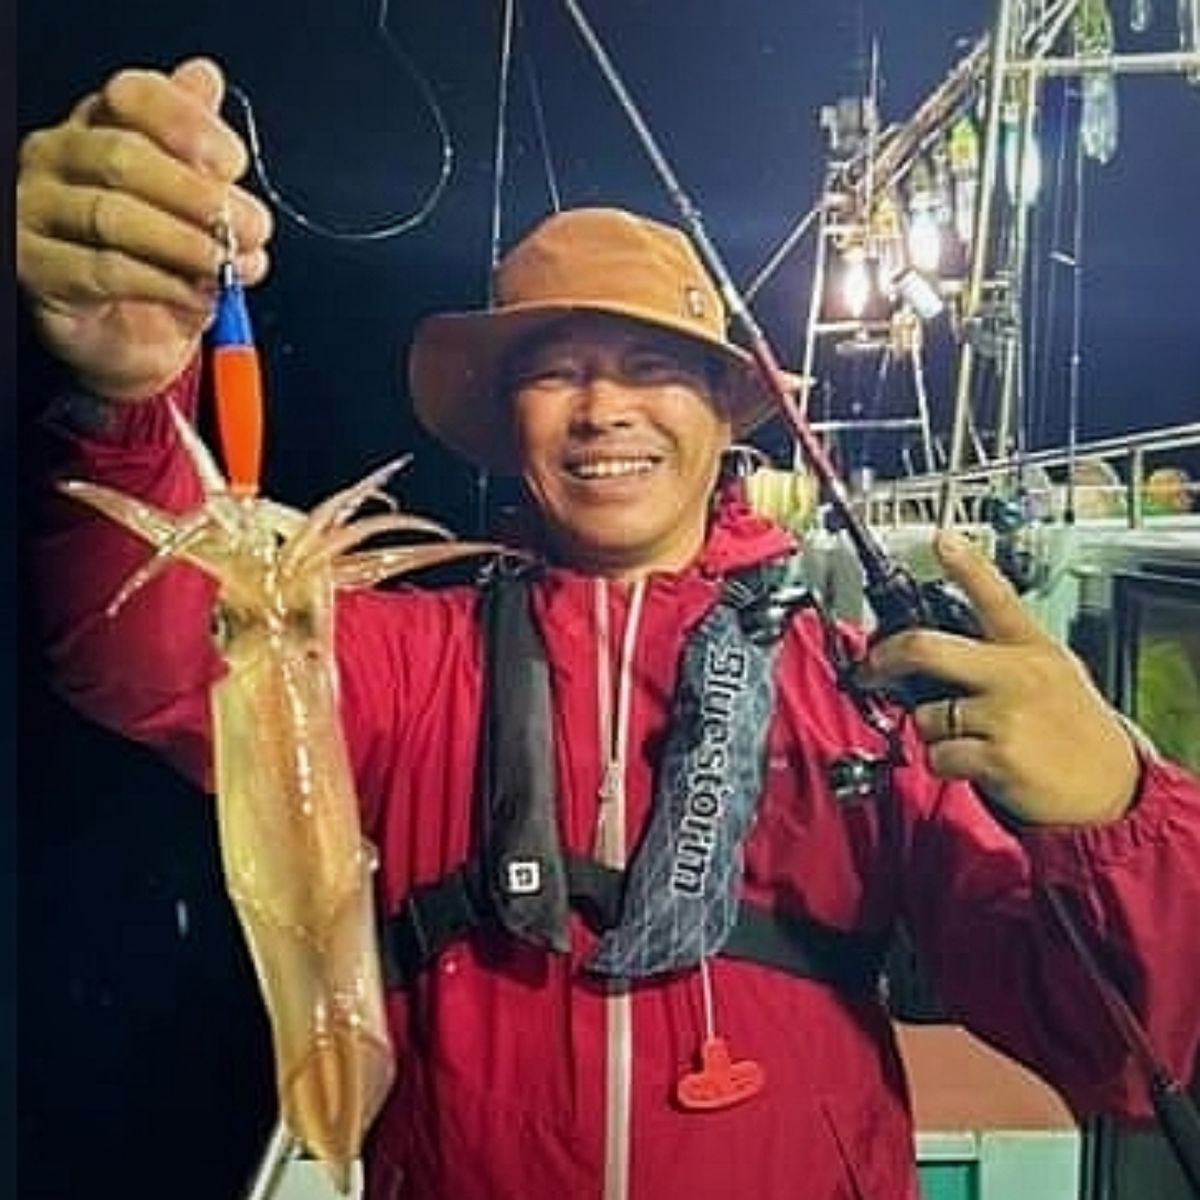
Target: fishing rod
x,y
898,600
901,602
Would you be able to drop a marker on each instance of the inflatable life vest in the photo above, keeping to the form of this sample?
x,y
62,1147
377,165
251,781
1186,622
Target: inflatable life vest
x,y
520,883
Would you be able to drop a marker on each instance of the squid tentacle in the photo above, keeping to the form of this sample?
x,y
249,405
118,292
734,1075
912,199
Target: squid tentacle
x,y
337,509
350,536
369,567
211,477
188,534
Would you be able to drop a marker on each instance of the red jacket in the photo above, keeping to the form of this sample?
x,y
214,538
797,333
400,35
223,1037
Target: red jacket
x,y
520,1078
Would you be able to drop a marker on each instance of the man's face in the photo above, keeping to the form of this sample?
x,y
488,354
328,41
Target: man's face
x,y
620,433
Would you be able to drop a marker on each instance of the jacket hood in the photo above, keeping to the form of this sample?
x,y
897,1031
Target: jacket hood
x,y
738,537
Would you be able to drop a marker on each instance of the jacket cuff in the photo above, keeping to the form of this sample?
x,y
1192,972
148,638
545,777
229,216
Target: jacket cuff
x,y
127,425
1070,855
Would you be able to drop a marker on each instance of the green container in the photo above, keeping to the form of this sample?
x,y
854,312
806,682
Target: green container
x,y
949,1180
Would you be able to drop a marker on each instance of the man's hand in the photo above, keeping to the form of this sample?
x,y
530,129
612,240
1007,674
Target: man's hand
x,y
117,212
1030,730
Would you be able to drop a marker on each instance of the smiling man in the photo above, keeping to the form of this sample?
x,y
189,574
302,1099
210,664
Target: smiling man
x,y
618,389
620,433
635,914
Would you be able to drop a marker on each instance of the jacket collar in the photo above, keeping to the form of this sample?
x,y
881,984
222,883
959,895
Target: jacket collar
x,y
738,538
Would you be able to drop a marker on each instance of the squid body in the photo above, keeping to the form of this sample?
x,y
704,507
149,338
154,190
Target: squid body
x,y
296,864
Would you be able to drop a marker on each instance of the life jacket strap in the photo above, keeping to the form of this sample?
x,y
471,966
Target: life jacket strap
x,y
437,914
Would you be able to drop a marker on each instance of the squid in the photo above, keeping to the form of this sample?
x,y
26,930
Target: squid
x,y
296,865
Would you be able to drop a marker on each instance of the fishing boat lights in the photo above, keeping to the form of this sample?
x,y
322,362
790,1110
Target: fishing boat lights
x,y
855,284
924,230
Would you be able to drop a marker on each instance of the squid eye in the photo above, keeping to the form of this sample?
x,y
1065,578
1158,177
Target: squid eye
x,y
301,623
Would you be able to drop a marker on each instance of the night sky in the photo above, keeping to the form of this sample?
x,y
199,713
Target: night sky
x,y
145,1069
732,89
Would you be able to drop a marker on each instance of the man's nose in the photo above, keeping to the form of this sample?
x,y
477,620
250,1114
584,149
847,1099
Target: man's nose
x,y
602,402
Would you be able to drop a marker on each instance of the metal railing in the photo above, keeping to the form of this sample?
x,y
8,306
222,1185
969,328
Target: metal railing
x,y
915,497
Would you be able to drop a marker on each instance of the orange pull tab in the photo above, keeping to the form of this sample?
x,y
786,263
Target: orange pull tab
x,y
720,1082
237,386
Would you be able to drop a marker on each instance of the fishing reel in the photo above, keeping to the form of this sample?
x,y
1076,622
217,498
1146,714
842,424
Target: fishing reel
x,y
900,602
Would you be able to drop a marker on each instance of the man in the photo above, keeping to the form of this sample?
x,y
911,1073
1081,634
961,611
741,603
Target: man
x,y
704,1024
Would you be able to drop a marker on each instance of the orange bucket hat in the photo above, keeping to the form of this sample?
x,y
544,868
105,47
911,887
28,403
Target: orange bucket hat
x,y
584,260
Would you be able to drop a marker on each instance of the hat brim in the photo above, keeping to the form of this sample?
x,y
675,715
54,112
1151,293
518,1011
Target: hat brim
x,y
456,358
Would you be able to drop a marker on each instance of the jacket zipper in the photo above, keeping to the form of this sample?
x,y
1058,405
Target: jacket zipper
x,y
611,849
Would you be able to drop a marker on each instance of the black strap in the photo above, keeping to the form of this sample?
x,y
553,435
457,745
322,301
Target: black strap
x,y
430,918
807,949
520,852
437,914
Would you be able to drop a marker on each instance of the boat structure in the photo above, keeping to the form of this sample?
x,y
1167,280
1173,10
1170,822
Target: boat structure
x,y
925,376
925,372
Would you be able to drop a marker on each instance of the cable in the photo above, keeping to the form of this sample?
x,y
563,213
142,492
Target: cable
x,y
539,114
498,153
1076,331
372,233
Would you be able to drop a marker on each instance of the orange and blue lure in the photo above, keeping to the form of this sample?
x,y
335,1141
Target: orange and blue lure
x,y
237,379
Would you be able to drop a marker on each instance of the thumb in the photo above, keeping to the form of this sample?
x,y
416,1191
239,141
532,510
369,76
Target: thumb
x,y
1001,612
203,79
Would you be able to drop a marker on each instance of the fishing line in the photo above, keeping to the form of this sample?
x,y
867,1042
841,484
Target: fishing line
x,y
1073,385
529,68
498,152
371,233
483,477
1040,417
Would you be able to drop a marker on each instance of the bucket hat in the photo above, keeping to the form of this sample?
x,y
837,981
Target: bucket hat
x,y
584,260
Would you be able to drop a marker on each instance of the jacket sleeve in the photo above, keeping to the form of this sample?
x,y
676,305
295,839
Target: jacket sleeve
x,y
976,898
144,672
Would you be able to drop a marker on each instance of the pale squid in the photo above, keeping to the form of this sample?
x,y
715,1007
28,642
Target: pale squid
x,y
295,862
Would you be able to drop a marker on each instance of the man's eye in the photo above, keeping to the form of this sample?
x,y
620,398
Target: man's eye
x,y
548,374
654,368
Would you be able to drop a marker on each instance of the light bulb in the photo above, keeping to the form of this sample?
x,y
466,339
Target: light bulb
x,y
924,240
856,283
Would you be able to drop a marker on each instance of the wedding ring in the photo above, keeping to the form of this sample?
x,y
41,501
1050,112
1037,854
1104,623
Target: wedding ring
x,y
953,726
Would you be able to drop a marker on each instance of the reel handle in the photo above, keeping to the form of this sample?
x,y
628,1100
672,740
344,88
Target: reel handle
x,y
901,602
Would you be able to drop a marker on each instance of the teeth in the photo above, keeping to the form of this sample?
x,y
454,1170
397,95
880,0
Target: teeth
x,y
608,468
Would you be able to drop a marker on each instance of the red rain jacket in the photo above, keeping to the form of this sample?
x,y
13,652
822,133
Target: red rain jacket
x,y
519,1079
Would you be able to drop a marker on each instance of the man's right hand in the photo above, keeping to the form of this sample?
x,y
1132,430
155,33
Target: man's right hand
x,y
117,226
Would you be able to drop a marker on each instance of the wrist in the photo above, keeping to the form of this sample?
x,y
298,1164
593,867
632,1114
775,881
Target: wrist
x,y
106,419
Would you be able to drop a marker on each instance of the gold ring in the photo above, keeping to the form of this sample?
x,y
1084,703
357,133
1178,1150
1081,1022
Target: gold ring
x,y
953,727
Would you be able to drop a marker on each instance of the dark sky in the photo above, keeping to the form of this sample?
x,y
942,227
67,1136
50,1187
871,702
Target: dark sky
x,y
144,1066
732,90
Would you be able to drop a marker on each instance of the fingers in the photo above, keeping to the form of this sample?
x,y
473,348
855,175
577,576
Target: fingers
x,y
1000,611
138,174
966,758
204,79
957,733
963,662
950,719
178,117
70,274
135,200
78,274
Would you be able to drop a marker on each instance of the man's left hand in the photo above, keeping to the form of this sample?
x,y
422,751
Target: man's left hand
x,y
1030,728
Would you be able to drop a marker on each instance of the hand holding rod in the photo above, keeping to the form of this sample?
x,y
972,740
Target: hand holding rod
x,y
899,602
